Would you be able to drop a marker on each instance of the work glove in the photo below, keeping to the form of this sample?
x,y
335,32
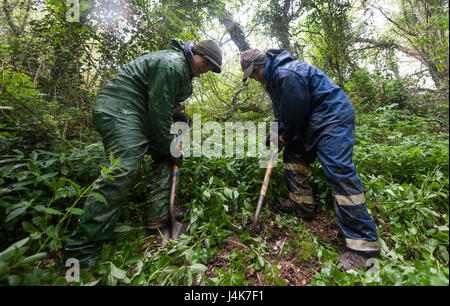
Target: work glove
x,y
183,117
272,138
177,160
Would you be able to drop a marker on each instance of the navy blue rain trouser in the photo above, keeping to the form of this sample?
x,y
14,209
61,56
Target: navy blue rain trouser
x,y
334,149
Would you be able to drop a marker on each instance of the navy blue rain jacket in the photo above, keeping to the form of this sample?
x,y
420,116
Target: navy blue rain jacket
x,y
305,101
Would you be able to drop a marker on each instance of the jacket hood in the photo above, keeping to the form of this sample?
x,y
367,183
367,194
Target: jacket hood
x,y
190,56
177,44
275,58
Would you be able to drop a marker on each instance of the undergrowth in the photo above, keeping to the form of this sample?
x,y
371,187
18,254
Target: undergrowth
x,y
403,166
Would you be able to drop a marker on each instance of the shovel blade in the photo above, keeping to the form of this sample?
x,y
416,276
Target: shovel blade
x,y
178,229
255,228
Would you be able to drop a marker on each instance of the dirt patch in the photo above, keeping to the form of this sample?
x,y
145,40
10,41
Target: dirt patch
x,y
292,269
327,229
222,259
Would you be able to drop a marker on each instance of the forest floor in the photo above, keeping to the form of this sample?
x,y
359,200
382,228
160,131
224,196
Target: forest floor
x,y
293,269
295,265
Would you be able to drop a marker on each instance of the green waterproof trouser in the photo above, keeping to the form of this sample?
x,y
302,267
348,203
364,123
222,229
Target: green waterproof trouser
x,y
126,140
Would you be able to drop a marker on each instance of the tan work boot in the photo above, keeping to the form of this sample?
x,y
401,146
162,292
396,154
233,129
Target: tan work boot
x,y
352,260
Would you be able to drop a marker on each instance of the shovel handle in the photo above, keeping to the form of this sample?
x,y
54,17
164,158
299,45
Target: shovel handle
x,y
172,194
175,178
263,191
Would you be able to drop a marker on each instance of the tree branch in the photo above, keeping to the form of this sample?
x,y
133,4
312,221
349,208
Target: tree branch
x,y
394,23
8,11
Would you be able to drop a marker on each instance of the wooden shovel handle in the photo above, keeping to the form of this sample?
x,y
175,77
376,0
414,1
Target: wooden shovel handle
x,y
263,191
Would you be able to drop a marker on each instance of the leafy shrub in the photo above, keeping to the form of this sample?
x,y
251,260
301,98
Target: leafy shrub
x,y
403,167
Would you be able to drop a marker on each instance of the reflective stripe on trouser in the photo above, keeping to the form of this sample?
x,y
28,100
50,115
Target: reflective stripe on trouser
x,y
297,174
335,150
125,140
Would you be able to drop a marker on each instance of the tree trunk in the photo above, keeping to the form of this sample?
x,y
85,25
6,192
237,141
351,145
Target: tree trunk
x,y
217,10
235,31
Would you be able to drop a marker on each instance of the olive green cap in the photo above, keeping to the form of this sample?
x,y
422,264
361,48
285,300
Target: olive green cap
x,y
210,50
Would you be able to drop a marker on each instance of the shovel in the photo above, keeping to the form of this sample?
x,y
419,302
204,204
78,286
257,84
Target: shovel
x,y
262,194
176,228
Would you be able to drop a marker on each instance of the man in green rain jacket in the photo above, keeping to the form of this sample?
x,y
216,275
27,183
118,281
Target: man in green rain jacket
x,y
133,114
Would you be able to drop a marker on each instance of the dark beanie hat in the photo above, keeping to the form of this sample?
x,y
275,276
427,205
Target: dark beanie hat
x,y
210,50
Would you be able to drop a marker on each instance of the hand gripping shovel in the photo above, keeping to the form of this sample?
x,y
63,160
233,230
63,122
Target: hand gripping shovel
x,y
176,228
262,194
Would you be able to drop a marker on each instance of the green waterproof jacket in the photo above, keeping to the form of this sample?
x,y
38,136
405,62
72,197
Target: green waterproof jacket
x,y
147,89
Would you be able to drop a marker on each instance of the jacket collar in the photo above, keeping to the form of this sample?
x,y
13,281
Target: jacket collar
x,y
178,45
275,58
190,56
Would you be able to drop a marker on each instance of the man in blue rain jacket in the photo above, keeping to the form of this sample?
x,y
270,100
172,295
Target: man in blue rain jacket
x,y
315,120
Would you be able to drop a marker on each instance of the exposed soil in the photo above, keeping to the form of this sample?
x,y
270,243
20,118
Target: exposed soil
x,y
291,270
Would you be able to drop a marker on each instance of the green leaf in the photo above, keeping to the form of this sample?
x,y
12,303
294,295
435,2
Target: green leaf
x,y
22,175
206,194
438,281
228,192
53,211
5,190
15,213
93,283
50,162
47,176
75,211
188,253
261,261
65,192
31,259
29,227
100,197
40,208
390,192
197,268
443,228
235,194
117,273
279,281
15,246
123,228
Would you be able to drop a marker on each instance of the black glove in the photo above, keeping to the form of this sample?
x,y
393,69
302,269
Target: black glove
x,y
177,160
271,139
183,117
